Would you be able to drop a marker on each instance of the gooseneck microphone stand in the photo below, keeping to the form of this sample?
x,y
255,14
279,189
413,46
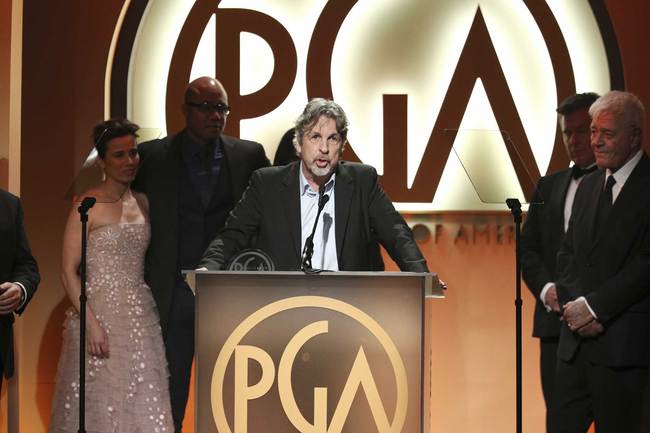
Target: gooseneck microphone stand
x,y
515,208
308,250
86,204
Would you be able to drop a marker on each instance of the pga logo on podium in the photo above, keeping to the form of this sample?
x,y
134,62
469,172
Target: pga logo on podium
x,y
256,375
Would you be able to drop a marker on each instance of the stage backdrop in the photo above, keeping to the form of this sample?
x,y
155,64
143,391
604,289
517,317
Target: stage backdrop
x,y
65,90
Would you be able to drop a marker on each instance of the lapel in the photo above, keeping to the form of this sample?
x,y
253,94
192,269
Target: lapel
x,y
290,200
626,205
172,166
592,207
234,162
343,192
558,200
634,187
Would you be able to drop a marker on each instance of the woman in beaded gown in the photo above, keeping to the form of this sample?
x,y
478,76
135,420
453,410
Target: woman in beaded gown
x,y
126,368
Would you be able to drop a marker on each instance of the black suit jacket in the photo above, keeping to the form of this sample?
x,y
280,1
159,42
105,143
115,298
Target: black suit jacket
x,y
16,265
611,270
270,210
159,178
541,238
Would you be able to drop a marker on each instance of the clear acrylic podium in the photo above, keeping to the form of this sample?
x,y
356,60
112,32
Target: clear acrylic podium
x,y
325,353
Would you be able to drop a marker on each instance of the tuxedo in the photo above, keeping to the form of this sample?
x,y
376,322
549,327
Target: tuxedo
x,y
186,212
611,269
16,265
541,238
364,216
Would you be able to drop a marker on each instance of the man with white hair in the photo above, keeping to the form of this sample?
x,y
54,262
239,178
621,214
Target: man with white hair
x,y
546,224
604,283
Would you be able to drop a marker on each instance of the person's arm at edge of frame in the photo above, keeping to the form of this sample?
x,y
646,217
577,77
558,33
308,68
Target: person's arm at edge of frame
x,y
25,272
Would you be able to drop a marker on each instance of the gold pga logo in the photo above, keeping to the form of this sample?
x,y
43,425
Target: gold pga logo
x,y
359,376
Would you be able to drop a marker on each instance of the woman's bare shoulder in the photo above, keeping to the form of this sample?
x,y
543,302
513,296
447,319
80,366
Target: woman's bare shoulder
x,y
142,200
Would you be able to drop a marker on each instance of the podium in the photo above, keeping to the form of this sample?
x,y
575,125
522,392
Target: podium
x,y
323,353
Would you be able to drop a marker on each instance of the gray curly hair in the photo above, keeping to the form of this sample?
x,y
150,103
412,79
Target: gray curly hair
x,y
316,108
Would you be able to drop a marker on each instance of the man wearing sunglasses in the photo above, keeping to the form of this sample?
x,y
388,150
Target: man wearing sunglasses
x,y
192,180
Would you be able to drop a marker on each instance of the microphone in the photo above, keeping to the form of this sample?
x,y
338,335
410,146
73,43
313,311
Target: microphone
x,y
308,250
86,204
322,199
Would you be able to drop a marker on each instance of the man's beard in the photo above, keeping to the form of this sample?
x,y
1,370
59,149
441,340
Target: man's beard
x,y
321,172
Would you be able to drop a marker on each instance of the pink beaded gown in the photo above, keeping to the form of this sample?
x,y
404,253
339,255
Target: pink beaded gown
x,y
127,392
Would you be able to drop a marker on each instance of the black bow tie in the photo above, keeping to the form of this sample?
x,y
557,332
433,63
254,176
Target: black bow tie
x,y
578,172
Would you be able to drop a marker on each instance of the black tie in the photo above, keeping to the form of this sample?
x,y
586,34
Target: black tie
x,y
604,204
578,172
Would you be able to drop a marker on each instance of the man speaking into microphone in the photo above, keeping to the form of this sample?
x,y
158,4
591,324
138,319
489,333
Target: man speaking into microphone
x,y
318,213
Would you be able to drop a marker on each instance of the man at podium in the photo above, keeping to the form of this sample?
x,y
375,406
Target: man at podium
x,y
318,213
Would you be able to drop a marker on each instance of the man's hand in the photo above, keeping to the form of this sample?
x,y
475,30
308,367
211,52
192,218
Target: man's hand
x,y
550,299
591,329
10,296
576,314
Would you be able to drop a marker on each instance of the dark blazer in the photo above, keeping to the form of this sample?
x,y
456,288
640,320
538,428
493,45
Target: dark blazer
x,y
611,270
159,177
541,238
16,265
364,215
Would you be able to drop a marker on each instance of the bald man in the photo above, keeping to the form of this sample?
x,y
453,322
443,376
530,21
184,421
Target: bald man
x,y
192,179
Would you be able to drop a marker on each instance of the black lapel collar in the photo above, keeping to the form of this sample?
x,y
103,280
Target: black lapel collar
x,y
343,192
633,189
231,155
172,172
558,199
592,207
290,196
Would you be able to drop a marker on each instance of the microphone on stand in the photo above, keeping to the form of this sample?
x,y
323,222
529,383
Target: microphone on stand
x,y
308,250
86,204
84,207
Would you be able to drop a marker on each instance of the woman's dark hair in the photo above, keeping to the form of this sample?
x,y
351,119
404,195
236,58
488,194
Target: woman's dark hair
x,y
110,129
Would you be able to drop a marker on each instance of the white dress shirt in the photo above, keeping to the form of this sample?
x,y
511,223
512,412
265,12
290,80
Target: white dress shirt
x,y
324,256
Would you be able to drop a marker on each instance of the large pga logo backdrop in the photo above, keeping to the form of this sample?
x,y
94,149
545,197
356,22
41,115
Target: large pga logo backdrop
x,y
406,72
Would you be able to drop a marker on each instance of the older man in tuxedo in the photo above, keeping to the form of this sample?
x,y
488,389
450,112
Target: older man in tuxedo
x,y
192,180
18,276
547,222
341,203
604,280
